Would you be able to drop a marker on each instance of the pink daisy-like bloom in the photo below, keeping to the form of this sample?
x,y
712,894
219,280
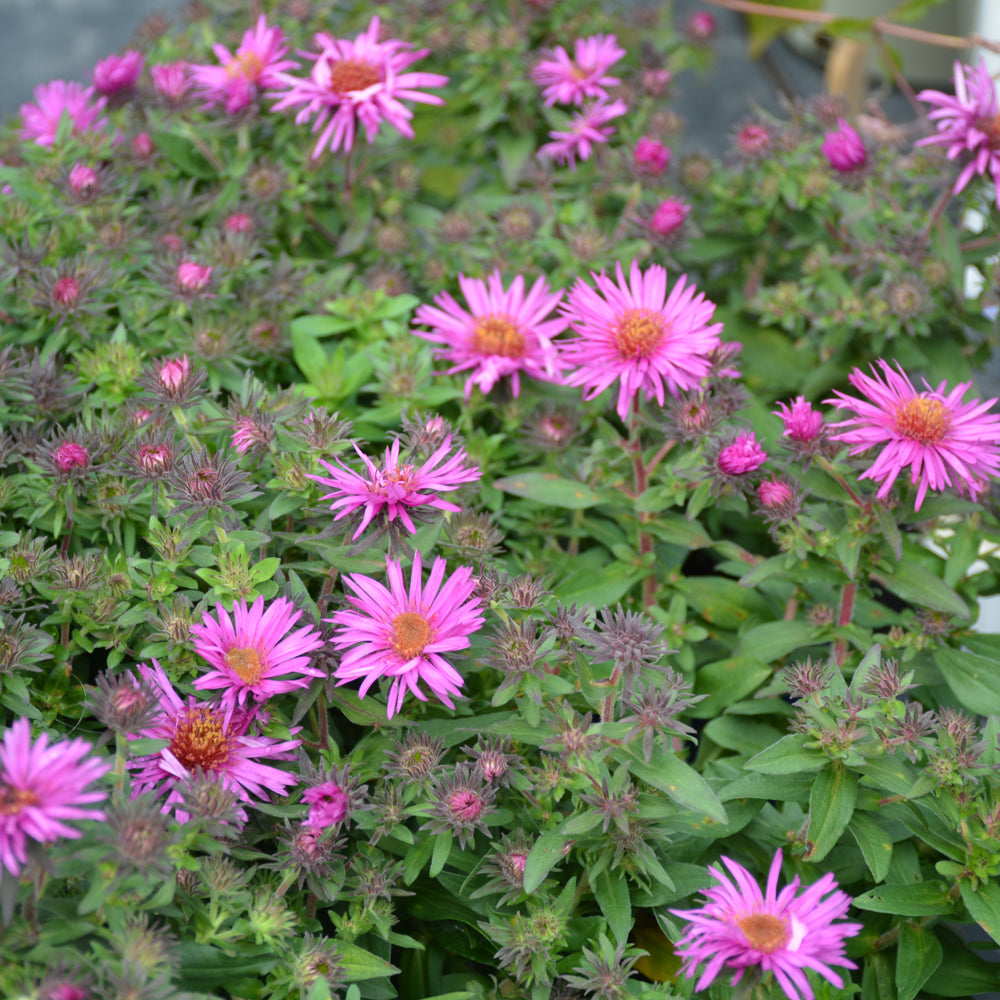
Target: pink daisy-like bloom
x,y
572,80
393,489
52,101
361,82
172,81
742,456
782,933
635,332
116,76
668,217
843,149
43,786
504,332
209,738
329,804
588,128
802,422
401,632
944,441
255,653
968,123
255,67
650,156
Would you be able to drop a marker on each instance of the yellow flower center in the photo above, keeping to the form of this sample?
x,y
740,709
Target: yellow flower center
x,y
249,65
410,633
764,932
922,419
347,75
638,332
200,740
498,335
246,663
13,800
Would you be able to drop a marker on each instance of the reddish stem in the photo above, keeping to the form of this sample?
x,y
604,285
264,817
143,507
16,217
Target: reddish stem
x,y
844,618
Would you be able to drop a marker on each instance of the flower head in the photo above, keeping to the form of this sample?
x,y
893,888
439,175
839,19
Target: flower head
x,y
844,149
782,933
255,652
570,80
239,78
402,631
504,331
667,218
588,128
944,441
192,277
636,332
116,76
396,489
41,787
210,741
803,424
650,157
968,124
172,81
742,456
52,101
363,82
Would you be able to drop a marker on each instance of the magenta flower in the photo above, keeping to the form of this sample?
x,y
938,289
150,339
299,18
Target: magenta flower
x,y
211,739
668,217
742,456
968,124
401,632
844,149
172,81
650,157
781,933
329,805
70,455
393,490
571,81
635,332
192,277
504,332
116,76
701,26
774,493
41,787
802,422
358,83
588,128
240,78
255,652
944,441
52,101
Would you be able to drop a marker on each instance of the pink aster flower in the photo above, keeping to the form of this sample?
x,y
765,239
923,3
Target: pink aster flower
x,y
782,933
844,149
802,423
588,128
329,805
635,332
172,81
41,787
650,157
968,124
742,456
192,277
116,76
255,652
394,489
363,82
944,441
504,332
210,738
668,217
572,80
52,101
401,632
255,67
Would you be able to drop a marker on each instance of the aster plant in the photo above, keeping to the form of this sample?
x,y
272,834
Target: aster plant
x,y
484,547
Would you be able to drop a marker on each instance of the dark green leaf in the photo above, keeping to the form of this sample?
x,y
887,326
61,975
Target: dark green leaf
x,y
788,756
974,679
544,855
612,894
917,585
726,681
874,842
681,782
550,489
918,955
984,905
831,805
919,899
773,640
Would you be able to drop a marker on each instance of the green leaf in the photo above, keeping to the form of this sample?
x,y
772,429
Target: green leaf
x,y
442,849
762,30
550,489
780,787
204,966
874,842
319,326
831,806
773,640
983,904
974,679
911,11
788,756
916,584
962,974
361,964
890,530
918,899
681,782
721,602
309,356
514,152
726,681
183,153
918,955
612,895
545,854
